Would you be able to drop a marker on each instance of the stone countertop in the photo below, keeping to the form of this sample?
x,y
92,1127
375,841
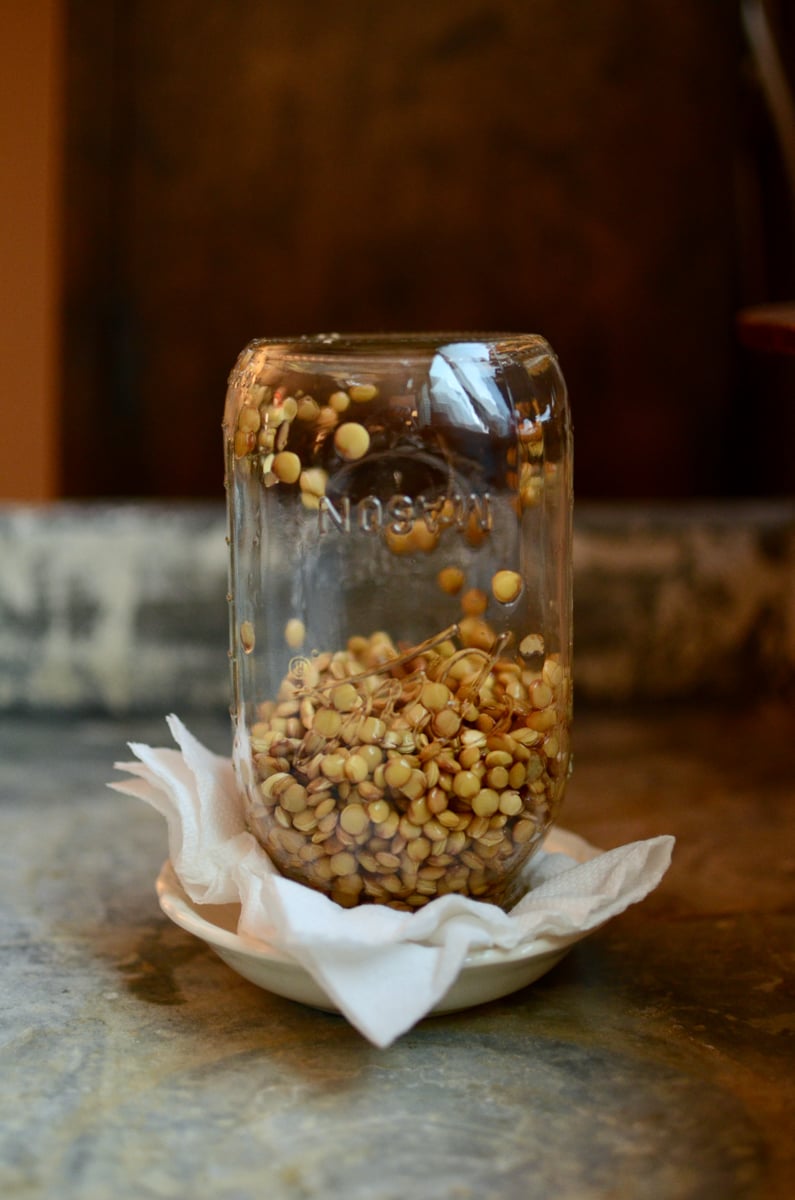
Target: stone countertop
x,y
120,607
654,1061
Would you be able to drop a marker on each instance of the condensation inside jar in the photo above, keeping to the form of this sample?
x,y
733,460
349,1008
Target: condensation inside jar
x,y
400,567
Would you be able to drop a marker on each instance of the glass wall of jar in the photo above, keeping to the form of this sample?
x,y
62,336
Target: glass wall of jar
x,y
400,602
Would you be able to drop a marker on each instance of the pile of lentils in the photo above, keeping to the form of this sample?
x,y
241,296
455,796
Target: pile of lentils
x,y
394,777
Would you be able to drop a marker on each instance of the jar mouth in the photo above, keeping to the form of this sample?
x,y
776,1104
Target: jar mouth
x,y
375,347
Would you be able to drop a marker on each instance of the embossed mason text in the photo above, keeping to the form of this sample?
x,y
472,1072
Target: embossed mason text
x,y
399,513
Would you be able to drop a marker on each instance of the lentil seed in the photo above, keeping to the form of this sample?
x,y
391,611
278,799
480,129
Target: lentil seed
x,y
474,602
415,785
523,831
418,849
437,800
356,769
551,746
397,772
511,803
378,811
327,722
486,802
286,466
307,409
290,840
517,774
418,811
435,696
531,645
370,791
343,863
322,869
244,443
247,636
476,633
451,580
333,767
434,830
506,586
466,785
312,481
388,828
432,774
497,778
360,393
540,694
446,723
249,419
372,730
408,830
310,853
345,697
351,441
294,798
354,819
294,633
542,720
306,821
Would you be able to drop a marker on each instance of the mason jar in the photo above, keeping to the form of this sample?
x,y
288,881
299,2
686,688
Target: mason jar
x,y
399,513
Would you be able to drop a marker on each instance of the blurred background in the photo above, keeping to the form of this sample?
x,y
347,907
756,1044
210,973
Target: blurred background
x,y
179,176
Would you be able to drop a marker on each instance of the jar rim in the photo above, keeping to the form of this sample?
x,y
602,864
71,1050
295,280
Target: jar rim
x,y
378,347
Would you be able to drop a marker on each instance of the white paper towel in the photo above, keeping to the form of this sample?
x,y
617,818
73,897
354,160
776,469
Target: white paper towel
x,y
383,968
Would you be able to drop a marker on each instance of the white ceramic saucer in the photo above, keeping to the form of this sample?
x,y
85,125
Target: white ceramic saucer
x,y
485,974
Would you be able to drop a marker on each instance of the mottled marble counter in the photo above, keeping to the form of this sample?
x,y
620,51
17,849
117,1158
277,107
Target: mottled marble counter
x,y
120,607
654,1062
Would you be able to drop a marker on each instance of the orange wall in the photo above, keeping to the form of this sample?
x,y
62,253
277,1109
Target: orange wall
x,y
30,139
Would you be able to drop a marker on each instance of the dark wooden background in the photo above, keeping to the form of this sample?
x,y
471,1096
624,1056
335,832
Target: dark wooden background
x,y
601,171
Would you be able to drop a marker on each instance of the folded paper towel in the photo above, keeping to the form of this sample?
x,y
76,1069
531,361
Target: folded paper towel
x,y
384,969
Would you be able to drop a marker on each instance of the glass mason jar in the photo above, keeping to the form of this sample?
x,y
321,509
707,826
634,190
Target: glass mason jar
x,y
400,600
